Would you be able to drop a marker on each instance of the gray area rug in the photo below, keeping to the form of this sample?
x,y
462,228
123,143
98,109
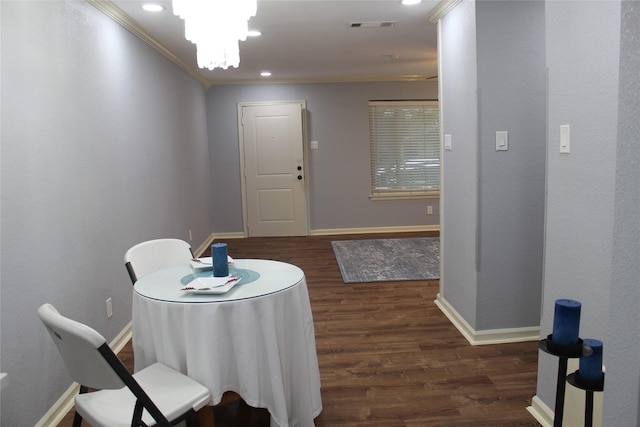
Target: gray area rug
x,y
388,260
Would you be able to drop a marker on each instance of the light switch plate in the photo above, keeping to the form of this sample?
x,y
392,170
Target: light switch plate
x,y
502,140
565,139
447,142
313,145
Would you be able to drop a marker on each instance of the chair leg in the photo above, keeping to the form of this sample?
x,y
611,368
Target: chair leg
x,y
77,419
193,420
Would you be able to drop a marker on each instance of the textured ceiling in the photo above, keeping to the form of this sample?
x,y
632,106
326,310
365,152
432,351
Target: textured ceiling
x,y
312,40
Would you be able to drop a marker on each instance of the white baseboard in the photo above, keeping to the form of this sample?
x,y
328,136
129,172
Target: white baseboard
x,y
121,339
486,337
203,247
238,235
219,236
574,406
59,409
374,230
64,404
541,412
328,232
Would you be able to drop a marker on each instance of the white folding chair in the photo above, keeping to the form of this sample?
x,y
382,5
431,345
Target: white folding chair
x,y
153,255
155,396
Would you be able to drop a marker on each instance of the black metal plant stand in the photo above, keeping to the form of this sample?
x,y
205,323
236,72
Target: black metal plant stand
x,y
563,353
589,387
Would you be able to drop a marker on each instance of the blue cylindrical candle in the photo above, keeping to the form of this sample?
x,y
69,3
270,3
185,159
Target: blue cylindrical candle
x,y
590,368
566,322
220,262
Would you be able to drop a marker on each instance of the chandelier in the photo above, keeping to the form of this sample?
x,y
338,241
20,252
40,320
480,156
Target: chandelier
x,y
216,27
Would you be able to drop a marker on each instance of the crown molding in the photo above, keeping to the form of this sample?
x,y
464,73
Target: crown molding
x,y
441,10
116,14
411,78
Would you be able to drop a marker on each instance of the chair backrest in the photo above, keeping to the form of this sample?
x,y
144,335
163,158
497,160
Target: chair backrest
x,y
153,255
92,363
79,347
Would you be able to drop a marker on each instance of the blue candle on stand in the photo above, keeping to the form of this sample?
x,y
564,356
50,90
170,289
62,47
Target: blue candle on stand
x,y
566,322
220,262
590,368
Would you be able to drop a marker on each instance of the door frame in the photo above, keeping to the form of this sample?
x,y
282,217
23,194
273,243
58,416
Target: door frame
x,y
305,155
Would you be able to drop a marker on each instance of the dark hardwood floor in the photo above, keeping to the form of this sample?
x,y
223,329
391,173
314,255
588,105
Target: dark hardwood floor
x,y
388,356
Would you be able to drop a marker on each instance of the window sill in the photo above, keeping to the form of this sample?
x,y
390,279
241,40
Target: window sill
x,y
404,196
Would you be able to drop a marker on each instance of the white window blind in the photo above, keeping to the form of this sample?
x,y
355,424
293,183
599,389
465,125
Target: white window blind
x,y
405,148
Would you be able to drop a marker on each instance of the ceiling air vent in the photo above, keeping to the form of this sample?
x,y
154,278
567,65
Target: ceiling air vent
x,y
372,24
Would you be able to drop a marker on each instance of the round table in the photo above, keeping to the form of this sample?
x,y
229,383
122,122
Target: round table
x,y
257,339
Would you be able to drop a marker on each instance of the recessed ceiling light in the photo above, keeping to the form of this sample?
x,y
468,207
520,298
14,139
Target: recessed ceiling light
x,y
254,33
153,7
411,2
265,73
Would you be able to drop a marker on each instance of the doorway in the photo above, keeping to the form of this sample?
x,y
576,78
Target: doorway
x,y
273,168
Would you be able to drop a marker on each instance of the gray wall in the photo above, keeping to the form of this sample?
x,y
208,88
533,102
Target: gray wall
x,y
339,171
591,248
459,198
622,406
512,97
104,145
493,79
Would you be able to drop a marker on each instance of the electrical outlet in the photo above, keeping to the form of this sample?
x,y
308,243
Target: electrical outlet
x,y
429,210
109,308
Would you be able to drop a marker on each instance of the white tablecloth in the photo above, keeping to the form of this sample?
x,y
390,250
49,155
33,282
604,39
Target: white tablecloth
x,y
260,346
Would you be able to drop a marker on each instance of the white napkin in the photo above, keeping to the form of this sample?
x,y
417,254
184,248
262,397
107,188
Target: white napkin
x,y
208,283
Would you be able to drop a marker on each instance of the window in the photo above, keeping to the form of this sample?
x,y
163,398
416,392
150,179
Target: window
x,y
405,149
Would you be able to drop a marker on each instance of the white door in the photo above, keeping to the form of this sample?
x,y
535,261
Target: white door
x,y
274,169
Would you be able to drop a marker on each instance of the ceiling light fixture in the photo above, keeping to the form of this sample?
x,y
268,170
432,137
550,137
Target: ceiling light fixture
x,y
216,28
254,33
411,2
266,74
153,7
